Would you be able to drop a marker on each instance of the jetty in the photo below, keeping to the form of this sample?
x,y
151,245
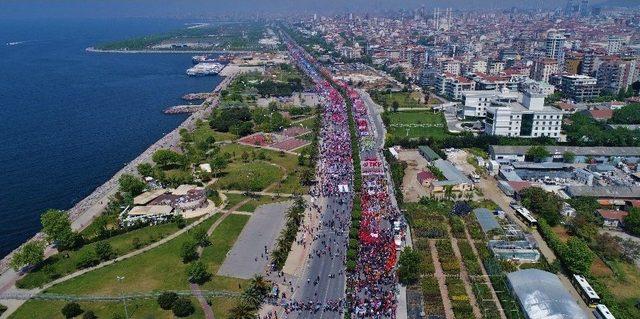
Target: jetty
x,y
196,96
181,109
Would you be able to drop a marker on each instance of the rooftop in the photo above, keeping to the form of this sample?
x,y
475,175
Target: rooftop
x,y
543,296
604,191
486,219
577,150
451,173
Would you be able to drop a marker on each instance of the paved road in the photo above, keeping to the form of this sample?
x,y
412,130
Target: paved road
x,y
315,283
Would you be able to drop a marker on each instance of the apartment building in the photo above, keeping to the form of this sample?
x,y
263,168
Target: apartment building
x,y
617,74
580,88
543,69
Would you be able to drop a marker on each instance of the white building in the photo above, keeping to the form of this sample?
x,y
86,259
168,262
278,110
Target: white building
x,y
529,118
555,46
614,44
475,103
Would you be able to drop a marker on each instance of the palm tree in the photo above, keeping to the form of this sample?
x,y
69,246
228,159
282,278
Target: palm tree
x,y
242,311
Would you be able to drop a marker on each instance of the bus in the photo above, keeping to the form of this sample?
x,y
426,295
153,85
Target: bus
x,y
587,293
602,312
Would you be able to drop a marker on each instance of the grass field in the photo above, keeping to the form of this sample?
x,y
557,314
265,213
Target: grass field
x,y
254,176
65,263
404,99
252,204
39,309
156,270
416,124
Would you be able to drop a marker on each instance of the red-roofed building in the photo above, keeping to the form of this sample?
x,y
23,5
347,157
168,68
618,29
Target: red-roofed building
x,y
425,177
601,115
612,218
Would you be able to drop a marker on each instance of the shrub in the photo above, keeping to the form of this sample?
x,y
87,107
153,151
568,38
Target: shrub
x,y
71,310
182,307
167,299
86,259
89,315
104,250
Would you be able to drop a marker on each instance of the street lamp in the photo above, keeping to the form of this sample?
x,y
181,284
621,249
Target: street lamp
x,y
124,300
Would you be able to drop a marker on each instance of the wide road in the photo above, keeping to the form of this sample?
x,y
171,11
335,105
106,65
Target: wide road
x,y
323,280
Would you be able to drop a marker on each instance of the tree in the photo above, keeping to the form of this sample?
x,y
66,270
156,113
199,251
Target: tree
x,y
632,221
544,204
103,250
131,184
168,159
167,299
242,311
578,257
197,273
188,251
218,164
395,106
568,157
89,315
146,169
71,310
409,264
537,153
57,227
180,222
182,307
29,254
200,236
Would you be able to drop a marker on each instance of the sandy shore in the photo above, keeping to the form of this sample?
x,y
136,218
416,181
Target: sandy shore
x,y
83,212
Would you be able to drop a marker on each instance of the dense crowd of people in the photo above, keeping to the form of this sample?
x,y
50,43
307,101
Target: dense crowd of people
x,y
374,280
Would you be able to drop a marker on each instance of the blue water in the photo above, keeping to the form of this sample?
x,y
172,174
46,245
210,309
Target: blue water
x,y
70,119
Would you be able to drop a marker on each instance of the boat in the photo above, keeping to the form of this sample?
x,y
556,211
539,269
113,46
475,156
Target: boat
x,y
203,59
205,68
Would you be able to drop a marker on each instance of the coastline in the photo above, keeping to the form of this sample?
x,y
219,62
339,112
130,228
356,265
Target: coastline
x,y
84,211
95,50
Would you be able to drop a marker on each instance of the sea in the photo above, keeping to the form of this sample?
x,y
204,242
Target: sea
x,y
70,119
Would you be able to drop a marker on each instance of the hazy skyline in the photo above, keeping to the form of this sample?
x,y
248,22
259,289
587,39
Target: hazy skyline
x,y
198,8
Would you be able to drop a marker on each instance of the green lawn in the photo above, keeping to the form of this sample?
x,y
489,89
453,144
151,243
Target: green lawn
x,y
252,204
416,124
254,176
65,263
404,99
156,270
40,309
288,161
291,185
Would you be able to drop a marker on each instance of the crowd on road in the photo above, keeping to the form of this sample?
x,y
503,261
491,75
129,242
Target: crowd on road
x,y
374,280
372,285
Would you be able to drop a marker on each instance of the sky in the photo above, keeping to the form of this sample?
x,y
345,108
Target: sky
x,y
203,8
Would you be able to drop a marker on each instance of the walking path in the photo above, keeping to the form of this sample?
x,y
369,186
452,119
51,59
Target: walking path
x,y
439,274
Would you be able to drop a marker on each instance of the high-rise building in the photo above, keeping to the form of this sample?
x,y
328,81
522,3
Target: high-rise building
x,y
617,74
555,46
614,44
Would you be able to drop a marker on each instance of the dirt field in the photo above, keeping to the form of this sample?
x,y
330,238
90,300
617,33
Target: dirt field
x,y
411,188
